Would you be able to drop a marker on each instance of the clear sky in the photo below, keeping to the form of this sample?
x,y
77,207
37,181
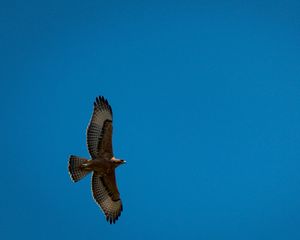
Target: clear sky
x,y
206,98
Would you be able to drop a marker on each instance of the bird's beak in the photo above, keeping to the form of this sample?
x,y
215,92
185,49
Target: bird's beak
x,y
123,161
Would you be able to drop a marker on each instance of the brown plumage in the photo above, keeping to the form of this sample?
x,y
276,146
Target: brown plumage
x,y
102,162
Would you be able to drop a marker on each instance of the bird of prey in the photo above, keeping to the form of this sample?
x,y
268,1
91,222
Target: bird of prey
x,y
102,163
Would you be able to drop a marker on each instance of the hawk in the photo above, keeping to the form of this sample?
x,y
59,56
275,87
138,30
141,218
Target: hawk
x,y
102,164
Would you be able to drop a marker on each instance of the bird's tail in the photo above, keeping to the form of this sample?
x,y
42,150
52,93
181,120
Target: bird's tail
x,y
76,169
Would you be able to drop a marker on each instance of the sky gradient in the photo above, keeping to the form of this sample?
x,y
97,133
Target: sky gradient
x,y
205,96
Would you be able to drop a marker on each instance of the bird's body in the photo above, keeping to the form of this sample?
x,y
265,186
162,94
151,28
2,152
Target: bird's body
x,y
102,162
101,166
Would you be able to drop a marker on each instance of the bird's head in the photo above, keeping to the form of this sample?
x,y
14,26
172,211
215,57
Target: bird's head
x,y
118,161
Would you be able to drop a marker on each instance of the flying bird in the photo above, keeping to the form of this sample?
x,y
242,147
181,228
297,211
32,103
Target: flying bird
x,y
102,163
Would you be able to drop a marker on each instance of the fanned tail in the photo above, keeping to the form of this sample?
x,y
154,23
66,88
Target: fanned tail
x,y
76,169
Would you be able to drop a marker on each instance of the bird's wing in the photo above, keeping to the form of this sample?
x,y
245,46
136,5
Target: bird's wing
x,y
106,194
99,131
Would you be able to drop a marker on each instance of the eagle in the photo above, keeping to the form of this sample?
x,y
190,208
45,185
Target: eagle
x,y
102,163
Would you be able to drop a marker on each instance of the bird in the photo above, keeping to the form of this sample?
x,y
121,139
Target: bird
x,y
102,163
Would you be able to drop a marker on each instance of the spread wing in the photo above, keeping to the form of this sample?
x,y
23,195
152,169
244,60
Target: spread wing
x,y
106,194
99,131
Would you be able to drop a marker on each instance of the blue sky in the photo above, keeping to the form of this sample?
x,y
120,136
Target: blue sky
x,y
206,101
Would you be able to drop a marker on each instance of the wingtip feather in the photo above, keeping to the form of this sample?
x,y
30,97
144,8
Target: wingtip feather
x,y
102,103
